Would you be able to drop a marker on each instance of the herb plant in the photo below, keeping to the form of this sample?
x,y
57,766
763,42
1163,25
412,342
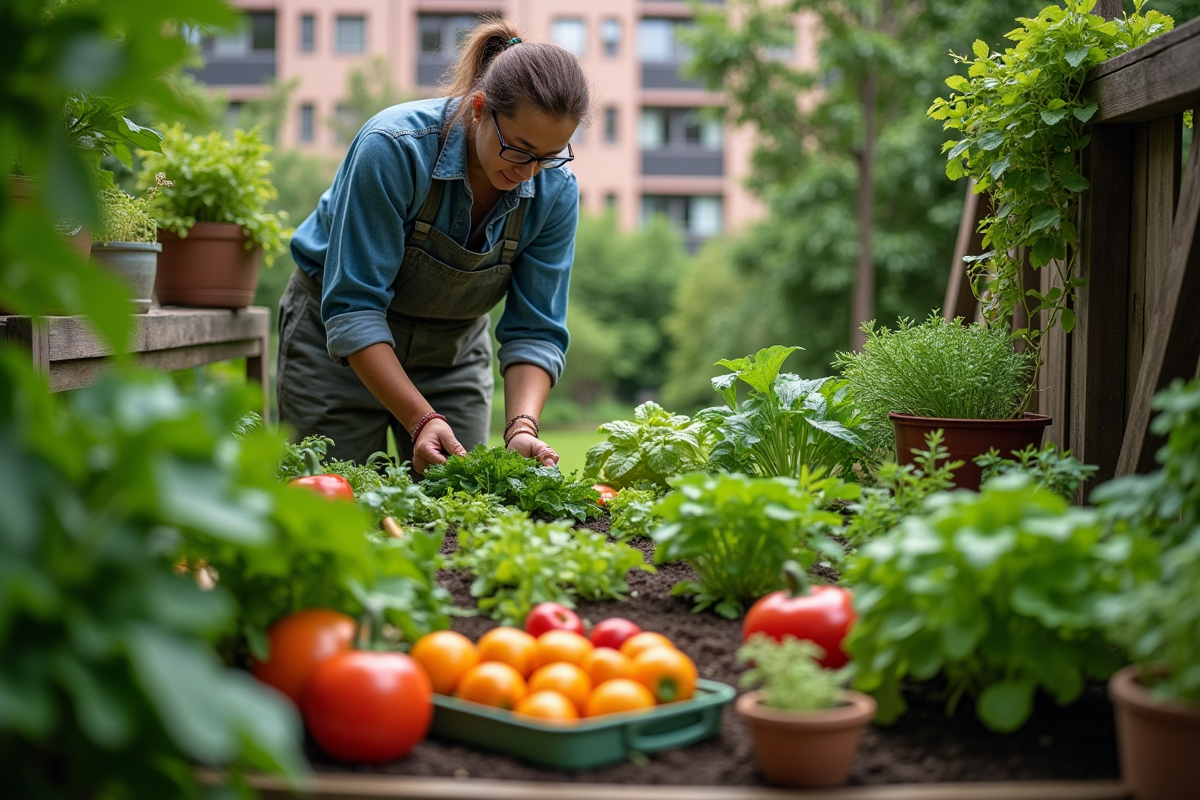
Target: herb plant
x,y
1050,468
1000,591
217,180
788,672
124,219
632,513
786,424
519,563
736,532
1021,115
654,446
97,127
515,480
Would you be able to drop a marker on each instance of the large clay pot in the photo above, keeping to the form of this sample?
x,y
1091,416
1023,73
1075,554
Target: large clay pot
x,y
967,438
211,268
807,748
136,262
1159,741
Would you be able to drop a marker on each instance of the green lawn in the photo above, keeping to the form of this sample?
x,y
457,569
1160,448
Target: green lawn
x,y
570,444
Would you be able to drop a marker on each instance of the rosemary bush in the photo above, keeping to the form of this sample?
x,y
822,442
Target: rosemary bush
x,y
124,219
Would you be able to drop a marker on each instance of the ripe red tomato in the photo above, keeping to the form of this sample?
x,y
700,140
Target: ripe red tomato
x,y
613,632
606,492
298,644
552,617
334,487
368,707
820,614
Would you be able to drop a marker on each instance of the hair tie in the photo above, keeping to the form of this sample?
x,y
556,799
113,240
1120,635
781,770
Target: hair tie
x,y
511,42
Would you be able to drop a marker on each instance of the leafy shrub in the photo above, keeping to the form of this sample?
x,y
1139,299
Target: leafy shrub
x,y
788,672
216,180
786,424
736,531
632,512
1050,468
999,591
654,446
515,480
519,563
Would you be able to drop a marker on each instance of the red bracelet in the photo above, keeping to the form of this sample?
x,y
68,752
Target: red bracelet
x,y
416,429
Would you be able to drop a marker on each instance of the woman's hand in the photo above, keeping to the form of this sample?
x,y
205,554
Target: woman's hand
x,y
528,445
434,444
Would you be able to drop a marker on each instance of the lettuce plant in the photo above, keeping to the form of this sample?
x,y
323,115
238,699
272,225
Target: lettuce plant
x,y
654,446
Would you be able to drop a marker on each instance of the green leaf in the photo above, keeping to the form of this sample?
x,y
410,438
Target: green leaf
x,y
1043,252
1085,113
1004,706
1076,183
980,48
1053,117
1048,218
1067,320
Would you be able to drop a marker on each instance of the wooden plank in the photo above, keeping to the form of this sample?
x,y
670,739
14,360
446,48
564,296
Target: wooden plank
x,y
1099,339
1054,378
329,786
1173,337
77,373
160,329
1155,80
30,336
960,299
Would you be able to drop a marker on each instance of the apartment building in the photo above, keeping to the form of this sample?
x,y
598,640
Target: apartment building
x,y
650,148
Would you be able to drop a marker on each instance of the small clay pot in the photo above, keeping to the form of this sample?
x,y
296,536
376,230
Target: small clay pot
x,y
136,263
807,748
210,268
967,438
1159,740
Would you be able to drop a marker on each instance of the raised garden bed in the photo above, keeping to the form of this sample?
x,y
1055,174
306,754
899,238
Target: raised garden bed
x,y
1074,747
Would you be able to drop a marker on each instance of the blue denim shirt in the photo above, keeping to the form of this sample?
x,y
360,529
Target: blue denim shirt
x,y
354,241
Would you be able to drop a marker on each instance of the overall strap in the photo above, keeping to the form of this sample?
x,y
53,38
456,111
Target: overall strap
x,y
512,232
428,212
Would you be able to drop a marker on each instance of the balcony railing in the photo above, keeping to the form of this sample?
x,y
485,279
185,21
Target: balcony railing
x,y
665,75
249,70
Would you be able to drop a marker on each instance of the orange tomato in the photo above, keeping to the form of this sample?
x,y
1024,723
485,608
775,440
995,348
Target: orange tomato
x,y
567,679
644,641
547,705
511,646
560,645
615,696
446,656
492,683
667,673
605,664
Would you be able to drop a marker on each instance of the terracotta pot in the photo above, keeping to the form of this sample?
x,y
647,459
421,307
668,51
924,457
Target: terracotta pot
x,y
136,263
1159,741
211,268
807,748
967,438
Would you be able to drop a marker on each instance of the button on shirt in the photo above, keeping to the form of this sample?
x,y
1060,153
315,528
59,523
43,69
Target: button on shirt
x,y
354,241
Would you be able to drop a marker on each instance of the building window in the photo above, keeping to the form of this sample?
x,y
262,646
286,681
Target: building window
x,y
610,124
351,34
697,216
570,34
684,128
307,123
443,33
610,200
610,36
659,40
262,32
308,33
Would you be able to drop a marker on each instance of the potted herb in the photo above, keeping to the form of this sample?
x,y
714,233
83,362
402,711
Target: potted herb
x,y
967,380
1157,700
214,225
125,243
806,726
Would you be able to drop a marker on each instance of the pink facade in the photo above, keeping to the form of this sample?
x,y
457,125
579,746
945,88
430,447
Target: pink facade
x,y
646,150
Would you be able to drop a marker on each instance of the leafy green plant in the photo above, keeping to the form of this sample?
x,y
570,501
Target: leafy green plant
x,y
124,219
97,127
519,562
786,424
1021,115
999,591
216,180
936,369
109,680
515,480
632,512
900,490
737,531
789,675
460,509
1050,468
654,446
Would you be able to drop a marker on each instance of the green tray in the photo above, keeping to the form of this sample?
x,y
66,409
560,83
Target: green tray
x,y
589,742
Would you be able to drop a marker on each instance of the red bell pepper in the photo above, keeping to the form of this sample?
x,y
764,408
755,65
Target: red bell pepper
x,y
334,487
821,614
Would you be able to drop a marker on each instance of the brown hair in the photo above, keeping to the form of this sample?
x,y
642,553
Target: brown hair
x,y
546,76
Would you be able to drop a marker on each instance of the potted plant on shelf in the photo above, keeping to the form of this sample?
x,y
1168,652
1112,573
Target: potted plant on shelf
x,y
966,380
125,243
214,224
806,726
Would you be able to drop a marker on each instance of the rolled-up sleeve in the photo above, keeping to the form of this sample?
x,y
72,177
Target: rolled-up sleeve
x,y
366,242
533,327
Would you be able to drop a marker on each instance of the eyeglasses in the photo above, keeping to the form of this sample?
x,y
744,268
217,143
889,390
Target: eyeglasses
x,y
515,155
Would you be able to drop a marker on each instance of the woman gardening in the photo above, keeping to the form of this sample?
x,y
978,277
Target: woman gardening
x,y
441,208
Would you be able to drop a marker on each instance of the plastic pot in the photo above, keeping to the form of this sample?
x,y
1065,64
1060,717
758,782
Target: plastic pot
x,y
210,268
136,263
967,438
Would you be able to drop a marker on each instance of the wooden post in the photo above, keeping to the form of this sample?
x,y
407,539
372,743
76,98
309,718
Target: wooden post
x,y
32,337
960,299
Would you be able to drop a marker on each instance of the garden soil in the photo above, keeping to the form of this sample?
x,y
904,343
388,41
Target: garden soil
x,y
1076,742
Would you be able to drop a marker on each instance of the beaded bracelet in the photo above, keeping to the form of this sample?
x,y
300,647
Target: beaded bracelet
x,y
513,421
508,437
416,429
